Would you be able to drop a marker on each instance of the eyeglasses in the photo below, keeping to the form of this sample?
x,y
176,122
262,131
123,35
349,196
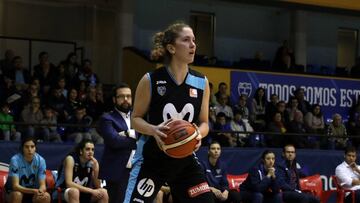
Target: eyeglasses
x,y
123,96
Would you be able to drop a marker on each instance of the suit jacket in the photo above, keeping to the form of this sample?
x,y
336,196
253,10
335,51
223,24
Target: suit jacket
x,y
117,149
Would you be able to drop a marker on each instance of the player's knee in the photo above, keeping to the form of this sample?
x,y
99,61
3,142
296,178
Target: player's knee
x,y
105,193
16,196
73,193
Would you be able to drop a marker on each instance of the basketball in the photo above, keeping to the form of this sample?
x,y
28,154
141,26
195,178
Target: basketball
x,y
180,141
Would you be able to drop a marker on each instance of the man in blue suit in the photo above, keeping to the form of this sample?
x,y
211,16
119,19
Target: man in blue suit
x,y
120,144
289,174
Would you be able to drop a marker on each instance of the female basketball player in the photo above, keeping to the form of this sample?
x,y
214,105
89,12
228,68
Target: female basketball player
x,y
172,91
26,180
78,176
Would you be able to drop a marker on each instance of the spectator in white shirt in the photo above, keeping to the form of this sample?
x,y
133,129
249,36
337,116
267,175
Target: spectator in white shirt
x,y
348,174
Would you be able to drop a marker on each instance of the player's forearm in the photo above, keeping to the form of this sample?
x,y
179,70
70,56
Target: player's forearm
x,y
25,189
141,126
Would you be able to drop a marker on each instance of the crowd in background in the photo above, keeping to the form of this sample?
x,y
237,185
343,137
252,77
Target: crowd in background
x,y
71,93
48,94
295,121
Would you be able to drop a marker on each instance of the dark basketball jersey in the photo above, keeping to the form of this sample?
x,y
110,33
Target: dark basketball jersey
x,y
172,100
81,173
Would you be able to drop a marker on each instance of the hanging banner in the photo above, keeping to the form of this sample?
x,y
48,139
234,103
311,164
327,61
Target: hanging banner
x,y
332,94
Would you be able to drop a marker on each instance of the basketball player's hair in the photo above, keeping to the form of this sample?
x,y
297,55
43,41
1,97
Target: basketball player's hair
x,y
80,146
119,86
162,39
27,139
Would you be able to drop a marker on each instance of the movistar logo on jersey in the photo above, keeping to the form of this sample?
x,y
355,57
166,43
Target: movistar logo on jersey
x,y
146,187
82,182
171,112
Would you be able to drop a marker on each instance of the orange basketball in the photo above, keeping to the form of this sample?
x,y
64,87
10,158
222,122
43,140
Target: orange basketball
x,y
180,141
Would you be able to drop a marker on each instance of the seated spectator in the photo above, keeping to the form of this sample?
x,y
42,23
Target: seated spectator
x,y
289,173
213,100
281,108
8,131
50,133
262,183
271,107
19,74
276,126
61,73
258,109
86,74
336,133
57,102
82,91
84,130
224,138
348,174
242,106
222,89
223,107
70,65
78,176
61,84
26,180
241,124
32,91
6,64
72,103
314,120
297,126
215,172
303,105
94,106
32,114
45,72
292,108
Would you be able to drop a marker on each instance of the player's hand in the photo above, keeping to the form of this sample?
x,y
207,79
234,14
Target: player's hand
x,y
159,132
198,138
97,194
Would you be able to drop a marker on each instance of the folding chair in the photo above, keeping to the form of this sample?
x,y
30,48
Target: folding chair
x,y
314,185
3,177
341,191
236,180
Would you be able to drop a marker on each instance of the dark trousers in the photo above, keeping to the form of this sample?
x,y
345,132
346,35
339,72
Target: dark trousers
x,y
258,197
348,198
233,197
116,191
296,197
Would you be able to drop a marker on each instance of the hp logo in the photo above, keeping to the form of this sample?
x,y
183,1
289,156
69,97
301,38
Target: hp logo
x,y
146,187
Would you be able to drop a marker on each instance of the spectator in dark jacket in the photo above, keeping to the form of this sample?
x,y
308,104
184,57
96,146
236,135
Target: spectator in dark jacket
x,y
262,183
289,173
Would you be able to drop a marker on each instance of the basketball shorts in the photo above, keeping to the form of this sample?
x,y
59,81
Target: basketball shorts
x,y
187,183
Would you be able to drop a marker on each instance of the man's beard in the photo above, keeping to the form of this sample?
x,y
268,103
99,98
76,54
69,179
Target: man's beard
x,y
123,108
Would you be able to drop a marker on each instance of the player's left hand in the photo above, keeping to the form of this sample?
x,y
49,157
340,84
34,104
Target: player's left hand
x,y
198,138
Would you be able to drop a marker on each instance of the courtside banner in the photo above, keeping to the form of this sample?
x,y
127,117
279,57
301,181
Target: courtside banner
x,y
334,95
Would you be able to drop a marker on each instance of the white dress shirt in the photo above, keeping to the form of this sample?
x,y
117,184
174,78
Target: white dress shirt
x,y
345,176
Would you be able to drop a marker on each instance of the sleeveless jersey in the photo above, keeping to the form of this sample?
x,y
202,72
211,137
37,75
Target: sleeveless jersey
x,y
81,173
172,100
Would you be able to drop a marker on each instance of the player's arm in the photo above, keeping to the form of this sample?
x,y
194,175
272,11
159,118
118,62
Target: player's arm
x,y
17,187
204,112
68,171
141,106
95,175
